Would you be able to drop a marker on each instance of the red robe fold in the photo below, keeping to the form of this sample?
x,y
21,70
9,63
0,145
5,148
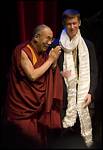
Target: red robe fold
x,y
51,114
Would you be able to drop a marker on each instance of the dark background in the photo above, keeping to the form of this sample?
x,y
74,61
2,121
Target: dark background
x,y
18,18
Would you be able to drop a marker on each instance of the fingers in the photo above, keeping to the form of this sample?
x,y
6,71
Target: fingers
x,y
57,49
66,73
55,53
86,104
87,101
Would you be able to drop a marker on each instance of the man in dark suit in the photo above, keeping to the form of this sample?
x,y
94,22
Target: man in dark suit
x,y
78,67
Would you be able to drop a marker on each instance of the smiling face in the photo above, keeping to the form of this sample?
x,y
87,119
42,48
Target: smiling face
x,y
42,38
72,25
45,39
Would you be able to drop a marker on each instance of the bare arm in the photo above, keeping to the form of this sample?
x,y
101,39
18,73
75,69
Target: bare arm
x,y
28,68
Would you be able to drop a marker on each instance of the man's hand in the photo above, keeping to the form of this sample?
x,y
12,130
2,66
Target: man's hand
x,y
66,73
54,54
87,100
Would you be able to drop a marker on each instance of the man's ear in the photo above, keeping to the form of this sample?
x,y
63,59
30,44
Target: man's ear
x,y
37,35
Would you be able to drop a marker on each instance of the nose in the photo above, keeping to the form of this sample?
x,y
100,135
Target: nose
x,y
49,42
72,26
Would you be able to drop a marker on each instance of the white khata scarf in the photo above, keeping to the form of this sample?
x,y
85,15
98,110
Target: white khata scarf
x,y
75,105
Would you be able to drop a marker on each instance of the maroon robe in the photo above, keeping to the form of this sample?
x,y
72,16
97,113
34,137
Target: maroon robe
x,y
33,105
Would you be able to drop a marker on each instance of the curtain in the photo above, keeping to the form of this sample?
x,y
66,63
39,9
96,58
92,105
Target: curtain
x,y
33,13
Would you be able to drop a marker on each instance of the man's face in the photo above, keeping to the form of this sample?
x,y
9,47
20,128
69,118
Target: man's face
x,y
45,39
72,26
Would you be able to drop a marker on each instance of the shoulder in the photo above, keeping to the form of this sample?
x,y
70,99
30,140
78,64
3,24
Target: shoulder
x,y
17,50
89,43
22,45
91,49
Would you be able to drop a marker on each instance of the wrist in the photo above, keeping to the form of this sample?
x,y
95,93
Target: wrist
x,y
50,60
